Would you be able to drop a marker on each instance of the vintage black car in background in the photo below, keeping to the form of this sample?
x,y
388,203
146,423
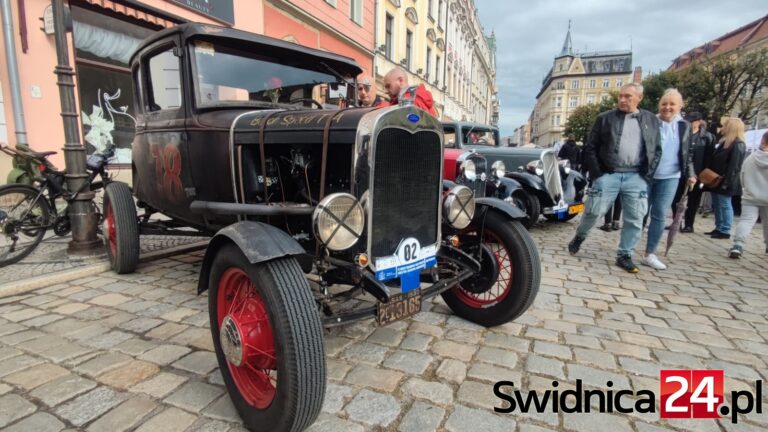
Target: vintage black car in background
x,y
319,216
550,187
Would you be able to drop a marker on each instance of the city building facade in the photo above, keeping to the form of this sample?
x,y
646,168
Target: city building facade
x,y
576,79
745,39
344,27
103,37
412,35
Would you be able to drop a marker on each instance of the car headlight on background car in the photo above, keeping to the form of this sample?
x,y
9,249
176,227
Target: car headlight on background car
x,y
469,170
565,164
535,167
498,169
459,207
338,221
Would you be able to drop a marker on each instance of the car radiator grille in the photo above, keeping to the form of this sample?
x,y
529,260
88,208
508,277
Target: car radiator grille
x,y
552,176
406,189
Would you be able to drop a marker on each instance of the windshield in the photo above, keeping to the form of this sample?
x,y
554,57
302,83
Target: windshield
x,y
229,76
474,135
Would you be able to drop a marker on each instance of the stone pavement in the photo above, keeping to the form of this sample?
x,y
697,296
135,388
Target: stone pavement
x,y
133,352
51,256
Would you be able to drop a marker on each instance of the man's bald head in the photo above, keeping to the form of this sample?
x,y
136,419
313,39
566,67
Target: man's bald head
x,y
394,81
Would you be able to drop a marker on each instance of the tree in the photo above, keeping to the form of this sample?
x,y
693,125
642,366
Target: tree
x,y
582,118
654,86
734,83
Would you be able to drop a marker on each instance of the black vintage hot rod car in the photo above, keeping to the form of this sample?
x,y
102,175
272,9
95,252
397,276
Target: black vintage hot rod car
x,y
319,216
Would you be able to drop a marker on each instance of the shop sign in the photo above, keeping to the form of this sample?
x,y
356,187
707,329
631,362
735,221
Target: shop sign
x,y
222,10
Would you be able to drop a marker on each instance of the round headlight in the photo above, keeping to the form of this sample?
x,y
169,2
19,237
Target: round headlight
x,y
469,170
566,164
498,169
459,207
338,221
535,167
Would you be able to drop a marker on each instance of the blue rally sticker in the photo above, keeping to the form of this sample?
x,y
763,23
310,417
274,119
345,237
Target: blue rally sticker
x,y
413,118
406,264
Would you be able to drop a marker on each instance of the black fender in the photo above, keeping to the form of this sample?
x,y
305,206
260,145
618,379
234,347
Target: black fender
x,y
573,187
528,180
504,188
258,241
504,207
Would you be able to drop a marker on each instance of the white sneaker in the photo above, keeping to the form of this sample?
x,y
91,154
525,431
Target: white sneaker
x,y
652,260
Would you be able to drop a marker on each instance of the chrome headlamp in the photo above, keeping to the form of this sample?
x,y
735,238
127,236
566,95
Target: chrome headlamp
x,y
498,169
535,167
468,170
338,221
565,164
459,207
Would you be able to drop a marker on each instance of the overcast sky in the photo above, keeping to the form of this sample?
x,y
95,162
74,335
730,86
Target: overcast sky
x,y
530,34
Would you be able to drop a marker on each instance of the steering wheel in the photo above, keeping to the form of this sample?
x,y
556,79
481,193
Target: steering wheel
x,y
318,104
482,141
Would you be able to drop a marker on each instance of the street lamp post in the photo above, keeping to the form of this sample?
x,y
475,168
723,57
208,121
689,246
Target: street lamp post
x,y
80,210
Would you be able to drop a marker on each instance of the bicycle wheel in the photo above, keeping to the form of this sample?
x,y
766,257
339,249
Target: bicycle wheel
x,y
24,217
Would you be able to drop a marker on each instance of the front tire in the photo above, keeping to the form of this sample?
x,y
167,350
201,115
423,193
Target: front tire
x,y
271,350
121,228
516,278
529,204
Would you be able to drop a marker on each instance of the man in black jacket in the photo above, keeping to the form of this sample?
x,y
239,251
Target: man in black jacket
x,y
702,147
621,154
570,151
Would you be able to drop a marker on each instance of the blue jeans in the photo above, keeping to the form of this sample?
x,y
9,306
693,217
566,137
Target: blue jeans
x,y
633,190
661,193
723,209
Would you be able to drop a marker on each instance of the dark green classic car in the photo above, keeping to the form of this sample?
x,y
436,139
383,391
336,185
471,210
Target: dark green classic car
x,y
550,186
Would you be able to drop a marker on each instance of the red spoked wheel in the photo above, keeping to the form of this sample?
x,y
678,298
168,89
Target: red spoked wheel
x,y
110,232
121,228
268,338
495,290
508,280
246,338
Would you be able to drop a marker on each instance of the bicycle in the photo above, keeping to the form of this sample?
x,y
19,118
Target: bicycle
x,y
27,211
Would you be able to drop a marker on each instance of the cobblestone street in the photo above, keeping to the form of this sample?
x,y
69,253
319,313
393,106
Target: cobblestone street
x,y
134,352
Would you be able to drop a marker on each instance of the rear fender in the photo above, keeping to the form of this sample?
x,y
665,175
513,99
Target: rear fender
x,y
259,243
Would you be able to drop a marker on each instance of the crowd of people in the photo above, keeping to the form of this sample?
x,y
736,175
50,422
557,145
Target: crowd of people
x,y
641,164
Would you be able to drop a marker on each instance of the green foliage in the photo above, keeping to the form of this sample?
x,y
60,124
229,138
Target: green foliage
x,y
582,118
654,86
730,84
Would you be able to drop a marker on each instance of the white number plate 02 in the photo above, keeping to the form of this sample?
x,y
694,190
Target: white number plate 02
x,y
409,257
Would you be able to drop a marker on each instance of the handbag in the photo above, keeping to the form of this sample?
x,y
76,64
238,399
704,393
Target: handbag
x,y
710,178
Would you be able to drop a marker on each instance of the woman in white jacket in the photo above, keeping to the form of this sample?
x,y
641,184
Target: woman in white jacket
x,y
754,198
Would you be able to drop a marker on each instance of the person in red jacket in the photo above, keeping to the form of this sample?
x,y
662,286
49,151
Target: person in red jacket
x,y
396,85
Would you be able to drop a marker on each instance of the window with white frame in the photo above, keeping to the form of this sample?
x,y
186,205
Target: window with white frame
x,y
430,5
388,29
429,63
573,102
559,102
591,99
574,84
557,120
592,83
606,83
560,85
437,70
356,11
331,2
408,48
604,97
619,83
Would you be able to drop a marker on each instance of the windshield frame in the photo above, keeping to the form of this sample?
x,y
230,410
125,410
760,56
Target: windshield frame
x,y
196,93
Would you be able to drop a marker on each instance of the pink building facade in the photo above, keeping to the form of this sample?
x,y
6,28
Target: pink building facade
x,y
104,35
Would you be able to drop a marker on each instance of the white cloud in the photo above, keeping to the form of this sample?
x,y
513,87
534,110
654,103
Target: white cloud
x,y
530,34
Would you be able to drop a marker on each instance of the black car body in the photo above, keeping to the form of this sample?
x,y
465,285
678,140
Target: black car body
x,y
551,187
315,212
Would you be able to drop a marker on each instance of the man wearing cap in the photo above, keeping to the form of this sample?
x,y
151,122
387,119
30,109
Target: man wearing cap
x,y
366,93
703,145
396,84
